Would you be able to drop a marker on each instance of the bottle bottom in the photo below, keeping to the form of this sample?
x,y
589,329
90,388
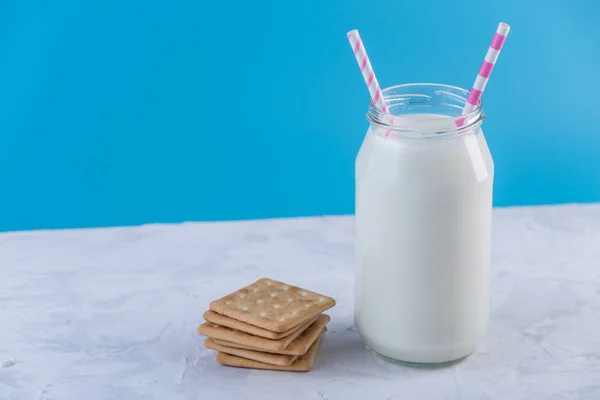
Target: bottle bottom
x,y
417,364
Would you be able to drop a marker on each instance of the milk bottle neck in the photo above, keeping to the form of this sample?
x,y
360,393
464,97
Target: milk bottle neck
x,y
424,111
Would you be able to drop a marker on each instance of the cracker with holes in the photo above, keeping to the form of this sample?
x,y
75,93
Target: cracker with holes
x,y
211,316
298,346
250,341
272,305
301,364
267,358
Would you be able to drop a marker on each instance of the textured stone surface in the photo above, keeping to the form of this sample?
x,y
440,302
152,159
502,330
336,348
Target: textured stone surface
x,y
112,313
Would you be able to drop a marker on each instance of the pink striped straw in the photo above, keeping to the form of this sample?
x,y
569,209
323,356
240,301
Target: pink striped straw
x,y
486,68
367,72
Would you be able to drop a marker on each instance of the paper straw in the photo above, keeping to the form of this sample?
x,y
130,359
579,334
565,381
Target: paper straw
x,y
367,72
486,68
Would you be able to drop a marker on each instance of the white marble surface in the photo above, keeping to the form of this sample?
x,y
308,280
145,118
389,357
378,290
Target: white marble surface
x,y
111,313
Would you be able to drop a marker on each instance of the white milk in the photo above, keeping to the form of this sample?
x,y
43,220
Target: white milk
x,y
423,222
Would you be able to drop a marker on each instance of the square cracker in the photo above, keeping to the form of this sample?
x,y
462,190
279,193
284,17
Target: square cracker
x,y
253,342
272,305
267,358
302,364
297,347
223,320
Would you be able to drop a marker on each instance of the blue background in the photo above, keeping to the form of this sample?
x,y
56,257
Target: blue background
x,y
129,112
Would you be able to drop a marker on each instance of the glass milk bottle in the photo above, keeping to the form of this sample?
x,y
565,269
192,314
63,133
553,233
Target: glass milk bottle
x,y
423,219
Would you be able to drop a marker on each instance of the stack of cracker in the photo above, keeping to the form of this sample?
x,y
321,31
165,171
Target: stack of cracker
x,y
267,325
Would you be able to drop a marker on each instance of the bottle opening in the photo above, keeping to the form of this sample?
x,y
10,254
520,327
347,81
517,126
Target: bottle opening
x,y
425,110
